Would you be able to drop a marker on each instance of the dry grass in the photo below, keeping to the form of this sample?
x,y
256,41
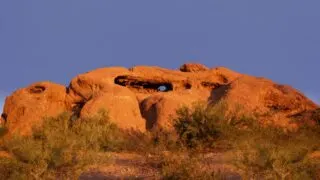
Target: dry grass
x,y
65,147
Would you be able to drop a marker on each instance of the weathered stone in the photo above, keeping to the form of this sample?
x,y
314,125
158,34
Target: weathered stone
x,y
120,103
271,102
145,97
160,109
193,67
28,106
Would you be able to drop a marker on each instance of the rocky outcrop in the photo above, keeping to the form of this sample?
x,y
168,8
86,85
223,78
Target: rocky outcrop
x,y
192,67
27,107
121,104
271,102
144,97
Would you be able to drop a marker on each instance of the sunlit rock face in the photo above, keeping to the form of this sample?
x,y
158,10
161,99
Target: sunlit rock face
x,y
27,107
146,98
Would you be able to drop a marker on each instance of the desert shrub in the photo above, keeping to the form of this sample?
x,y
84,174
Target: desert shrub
x,y
12,169
278,156
204,126
61,148
64,145
164,140
197,126
177,167
260,151
271,153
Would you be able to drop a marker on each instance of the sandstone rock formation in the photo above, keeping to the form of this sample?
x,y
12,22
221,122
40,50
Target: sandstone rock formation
x,y
27,106
191,67
145,97
271,102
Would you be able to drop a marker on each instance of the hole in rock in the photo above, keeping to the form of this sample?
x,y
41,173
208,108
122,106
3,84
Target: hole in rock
x,y
68,89
76,110
187,86
162,88
143,85
4,117
210,85
37,89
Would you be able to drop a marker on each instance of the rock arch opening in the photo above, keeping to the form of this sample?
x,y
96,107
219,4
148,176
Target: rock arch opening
x,y
143,85
37,89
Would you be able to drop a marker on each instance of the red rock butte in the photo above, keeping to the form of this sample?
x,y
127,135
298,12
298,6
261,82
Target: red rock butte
x,y
146,97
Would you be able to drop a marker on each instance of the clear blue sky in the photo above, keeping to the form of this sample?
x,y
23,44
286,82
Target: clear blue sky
x,y
56,40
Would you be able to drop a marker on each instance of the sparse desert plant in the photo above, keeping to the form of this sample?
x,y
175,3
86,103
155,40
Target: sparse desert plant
x,y
61,148
165,140
271,153
197,126
185,167
209,126
64,146
261,151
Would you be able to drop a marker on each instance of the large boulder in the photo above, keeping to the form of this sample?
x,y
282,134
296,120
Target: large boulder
x,y
130,95
84,86
120,103
96,90
260,97
147,97
28,106
193,67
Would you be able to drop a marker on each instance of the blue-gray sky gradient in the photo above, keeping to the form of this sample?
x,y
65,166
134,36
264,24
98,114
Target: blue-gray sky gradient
x,y
56,40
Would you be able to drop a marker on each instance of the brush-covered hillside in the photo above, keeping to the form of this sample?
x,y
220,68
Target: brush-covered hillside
x,y
148,122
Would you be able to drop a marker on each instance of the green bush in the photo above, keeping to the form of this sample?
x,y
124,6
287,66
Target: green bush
x,y
197,126
209,126
271,153
260,151
62,147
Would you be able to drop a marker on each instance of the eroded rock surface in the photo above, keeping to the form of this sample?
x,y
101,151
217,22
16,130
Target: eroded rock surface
x,y
271,102
121,104
27,107
144,97
192,67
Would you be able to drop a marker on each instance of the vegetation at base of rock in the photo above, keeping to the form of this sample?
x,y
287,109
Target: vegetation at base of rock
x,y
259,151
210,126
187,167
133,99
64,146
60,149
